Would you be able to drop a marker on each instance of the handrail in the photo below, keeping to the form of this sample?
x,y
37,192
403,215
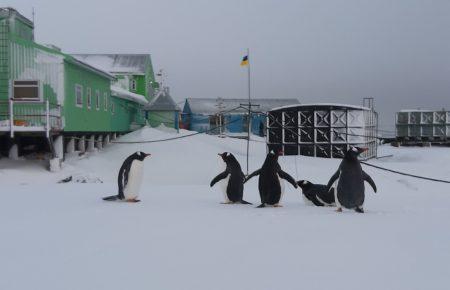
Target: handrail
x,y
33,114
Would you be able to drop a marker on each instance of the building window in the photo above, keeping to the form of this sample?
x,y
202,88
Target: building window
x,y
89,98
97,100
113,108
79,95
105,101
133,85
26,90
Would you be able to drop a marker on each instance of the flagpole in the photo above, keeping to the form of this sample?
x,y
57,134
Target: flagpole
x,y
249,106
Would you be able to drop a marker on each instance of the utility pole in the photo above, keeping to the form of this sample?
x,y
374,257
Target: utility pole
x,y
249,106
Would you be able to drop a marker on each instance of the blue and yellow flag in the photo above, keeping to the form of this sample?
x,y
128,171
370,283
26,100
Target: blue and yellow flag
x,y
244,61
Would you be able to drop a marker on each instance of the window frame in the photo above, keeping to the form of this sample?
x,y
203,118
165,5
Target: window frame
x,y
37,86
105,101
80,87
133,85
97,100
113,108
88,98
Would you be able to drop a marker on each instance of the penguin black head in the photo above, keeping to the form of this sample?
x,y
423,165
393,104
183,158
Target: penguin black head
x,y
354,152
272,157
227,157
304,184
141,155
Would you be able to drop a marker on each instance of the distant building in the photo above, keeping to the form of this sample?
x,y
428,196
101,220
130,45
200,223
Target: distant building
x,y
133,72
163,110
417,126
204,114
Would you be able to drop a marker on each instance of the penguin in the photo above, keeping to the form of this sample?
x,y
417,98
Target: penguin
x,y
349,178
316,194
232,180
130,178
270,185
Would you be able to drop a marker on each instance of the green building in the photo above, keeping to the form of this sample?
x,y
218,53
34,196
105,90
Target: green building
x,y
163,110
134,73
53,99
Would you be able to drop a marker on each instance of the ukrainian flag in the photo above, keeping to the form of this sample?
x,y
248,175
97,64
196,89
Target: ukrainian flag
x,y
244,61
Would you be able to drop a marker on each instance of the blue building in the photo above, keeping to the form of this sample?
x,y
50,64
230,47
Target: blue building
x,y
203,114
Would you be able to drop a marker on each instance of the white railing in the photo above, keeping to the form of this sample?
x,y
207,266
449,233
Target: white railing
x,y
29,116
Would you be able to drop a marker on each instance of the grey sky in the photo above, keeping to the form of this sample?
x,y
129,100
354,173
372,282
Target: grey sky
x,y
317,51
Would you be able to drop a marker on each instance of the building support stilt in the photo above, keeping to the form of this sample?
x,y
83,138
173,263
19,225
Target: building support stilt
x,y
70,148
13,152
82,144
99,143
91,144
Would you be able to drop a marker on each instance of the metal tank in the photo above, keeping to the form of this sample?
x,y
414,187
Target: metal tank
x,y
322,130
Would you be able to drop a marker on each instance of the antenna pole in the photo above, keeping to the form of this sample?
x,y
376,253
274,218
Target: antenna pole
x,y
249,106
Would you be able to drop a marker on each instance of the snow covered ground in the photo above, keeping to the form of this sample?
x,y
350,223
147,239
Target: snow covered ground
x,y
63,236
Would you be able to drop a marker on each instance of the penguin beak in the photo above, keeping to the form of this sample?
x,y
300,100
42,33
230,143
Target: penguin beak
x,y
361,150
147,155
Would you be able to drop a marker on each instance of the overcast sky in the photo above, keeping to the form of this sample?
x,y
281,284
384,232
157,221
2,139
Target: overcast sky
x,y
317,51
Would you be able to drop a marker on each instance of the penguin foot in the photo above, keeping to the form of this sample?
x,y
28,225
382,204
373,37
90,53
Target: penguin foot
x,y
277,205
339,209
227,202
132,200
261,205
359,209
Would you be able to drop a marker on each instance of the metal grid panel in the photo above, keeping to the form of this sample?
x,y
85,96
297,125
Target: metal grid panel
x,y
417,126
322,130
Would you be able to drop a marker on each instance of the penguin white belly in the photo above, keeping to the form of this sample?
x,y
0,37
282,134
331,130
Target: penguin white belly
x,y
281,188
131,190
224,186
338,204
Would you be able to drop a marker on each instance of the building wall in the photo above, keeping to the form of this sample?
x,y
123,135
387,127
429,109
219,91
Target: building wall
x,y
168,118
4,59
127,116
141,88
81,118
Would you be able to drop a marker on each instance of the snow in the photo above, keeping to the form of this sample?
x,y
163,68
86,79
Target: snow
x,y
127,95
63,236
117,63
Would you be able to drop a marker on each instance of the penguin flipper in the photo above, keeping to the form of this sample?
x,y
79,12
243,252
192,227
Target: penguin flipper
x,y
369,180
245,202
287,177
257,172
111,198
122,179
218,177
316,201
332,180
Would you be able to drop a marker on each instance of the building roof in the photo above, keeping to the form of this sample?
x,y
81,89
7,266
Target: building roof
x,y
162,102
117,63
87,66
327,105
124,94
209,106
8,11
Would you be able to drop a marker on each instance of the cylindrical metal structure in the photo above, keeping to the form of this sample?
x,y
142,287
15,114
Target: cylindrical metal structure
x,y
322,130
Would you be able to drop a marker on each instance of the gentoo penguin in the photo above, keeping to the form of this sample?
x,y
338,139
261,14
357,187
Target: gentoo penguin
x,y
316,194
130,178
270,185
232,180
349,192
